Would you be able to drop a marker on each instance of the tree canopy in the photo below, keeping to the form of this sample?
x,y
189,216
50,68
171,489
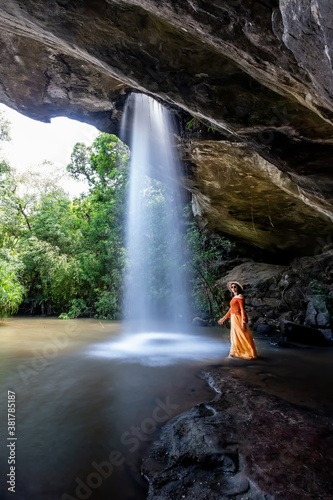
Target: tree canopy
x,y
66,256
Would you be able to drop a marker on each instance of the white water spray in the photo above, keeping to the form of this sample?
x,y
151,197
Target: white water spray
x,y
155,282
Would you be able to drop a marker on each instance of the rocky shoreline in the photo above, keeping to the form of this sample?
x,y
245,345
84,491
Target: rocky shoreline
x,y
245,444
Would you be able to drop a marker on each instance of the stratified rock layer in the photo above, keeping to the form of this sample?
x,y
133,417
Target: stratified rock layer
x,y
259,73
237,192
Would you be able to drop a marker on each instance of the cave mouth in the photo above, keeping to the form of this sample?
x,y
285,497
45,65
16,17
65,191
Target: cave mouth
x,y
45,147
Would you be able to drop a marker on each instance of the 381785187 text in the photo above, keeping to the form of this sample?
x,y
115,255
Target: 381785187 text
x,y
11,444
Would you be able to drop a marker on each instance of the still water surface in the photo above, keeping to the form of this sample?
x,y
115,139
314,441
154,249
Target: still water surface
x,y
89,399
86,394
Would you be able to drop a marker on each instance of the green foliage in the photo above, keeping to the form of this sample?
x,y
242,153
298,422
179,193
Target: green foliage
x,y
4,169
102,164
4,128
11,290
77,308
49,276
107,305
69,254
193,124
55,222
204,262
101,253
317,288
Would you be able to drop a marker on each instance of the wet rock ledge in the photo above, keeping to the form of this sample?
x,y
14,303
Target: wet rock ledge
x,y
243,445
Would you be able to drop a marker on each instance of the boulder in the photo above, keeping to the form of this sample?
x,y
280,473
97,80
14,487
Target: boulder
x,y
317,314
303,335
264,329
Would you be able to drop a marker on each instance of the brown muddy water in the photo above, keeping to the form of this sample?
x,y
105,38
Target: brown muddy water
x,y
90,399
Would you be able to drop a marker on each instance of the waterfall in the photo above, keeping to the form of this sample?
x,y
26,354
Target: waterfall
x,y
155,281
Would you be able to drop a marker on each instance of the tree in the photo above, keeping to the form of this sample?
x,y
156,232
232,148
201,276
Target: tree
x,y
103,164
4,136
101,214
69,255
4,128
38,229
11,290
50,277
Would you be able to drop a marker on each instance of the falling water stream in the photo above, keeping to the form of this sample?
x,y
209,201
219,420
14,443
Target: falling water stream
x,y
156,298
155,283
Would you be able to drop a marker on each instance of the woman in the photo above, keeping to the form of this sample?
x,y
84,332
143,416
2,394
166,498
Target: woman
x,y
242,343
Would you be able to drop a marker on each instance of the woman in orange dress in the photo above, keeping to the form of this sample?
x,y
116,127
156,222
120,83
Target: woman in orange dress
x,y
242,343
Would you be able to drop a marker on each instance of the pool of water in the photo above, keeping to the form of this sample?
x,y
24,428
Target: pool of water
x,y
91,396
89,400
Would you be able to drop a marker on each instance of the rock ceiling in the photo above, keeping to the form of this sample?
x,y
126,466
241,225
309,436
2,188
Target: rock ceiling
x,y
258,72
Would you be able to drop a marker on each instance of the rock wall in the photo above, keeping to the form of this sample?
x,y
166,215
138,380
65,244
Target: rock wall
x,y
300,293
258,73
237,192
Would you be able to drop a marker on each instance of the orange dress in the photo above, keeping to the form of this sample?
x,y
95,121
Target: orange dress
x,y
242,343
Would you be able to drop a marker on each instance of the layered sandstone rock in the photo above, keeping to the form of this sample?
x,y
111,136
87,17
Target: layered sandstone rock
x,y
259,73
